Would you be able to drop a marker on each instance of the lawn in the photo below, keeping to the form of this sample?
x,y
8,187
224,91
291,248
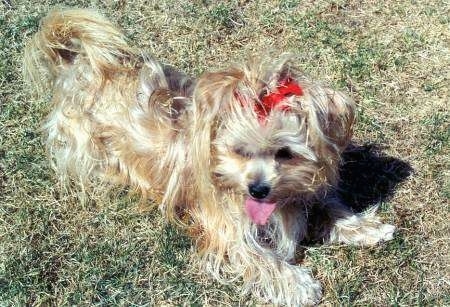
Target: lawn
x,y
391,56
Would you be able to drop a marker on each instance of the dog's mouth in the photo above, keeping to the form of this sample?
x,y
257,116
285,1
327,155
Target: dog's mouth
x,y
259,211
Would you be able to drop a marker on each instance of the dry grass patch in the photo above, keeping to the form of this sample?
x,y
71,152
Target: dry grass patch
x,y
392,56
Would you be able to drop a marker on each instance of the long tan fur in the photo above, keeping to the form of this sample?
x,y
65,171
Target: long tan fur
x,y
197,147
108,102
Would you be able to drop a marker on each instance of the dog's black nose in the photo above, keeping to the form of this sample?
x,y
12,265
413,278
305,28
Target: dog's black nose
x,y
258,190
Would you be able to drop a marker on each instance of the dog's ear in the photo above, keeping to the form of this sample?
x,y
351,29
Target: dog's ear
x,y
213,95
214,91
331,115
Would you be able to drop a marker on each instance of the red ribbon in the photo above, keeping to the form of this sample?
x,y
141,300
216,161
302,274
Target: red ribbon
x,y
272,100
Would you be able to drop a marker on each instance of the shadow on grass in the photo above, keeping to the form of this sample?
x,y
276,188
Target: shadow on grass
x,y
369,177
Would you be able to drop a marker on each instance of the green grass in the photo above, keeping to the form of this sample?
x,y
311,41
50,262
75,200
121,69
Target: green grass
x,y
392,58
438,131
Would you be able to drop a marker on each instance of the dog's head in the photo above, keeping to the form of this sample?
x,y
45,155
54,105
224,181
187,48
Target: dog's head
x,y
269,134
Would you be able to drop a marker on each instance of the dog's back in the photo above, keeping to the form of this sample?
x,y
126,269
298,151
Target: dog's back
x,y
113,109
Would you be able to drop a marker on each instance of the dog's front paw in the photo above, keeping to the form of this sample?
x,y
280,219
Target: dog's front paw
x,y
304,289
386,232
361,229
294,286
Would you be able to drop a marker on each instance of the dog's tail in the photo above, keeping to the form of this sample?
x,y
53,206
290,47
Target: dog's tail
x,y
74,35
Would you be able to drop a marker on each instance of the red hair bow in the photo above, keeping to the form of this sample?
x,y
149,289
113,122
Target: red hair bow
x,y
272,100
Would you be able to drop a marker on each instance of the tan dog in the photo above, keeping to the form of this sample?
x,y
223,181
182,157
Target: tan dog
x,y
236,157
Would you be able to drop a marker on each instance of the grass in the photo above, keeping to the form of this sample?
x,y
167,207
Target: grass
x,y
391,56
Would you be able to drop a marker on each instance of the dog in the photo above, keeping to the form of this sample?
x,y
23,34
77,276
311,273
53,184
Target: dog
x,y
236,157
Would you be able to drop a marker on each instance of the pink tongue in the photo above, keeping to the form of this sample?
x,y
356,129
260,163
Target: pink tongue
x,y
258,212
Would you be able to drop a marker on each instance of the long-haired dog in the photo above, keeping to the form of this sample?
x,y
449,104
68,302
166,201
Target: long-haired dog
x,y
237,157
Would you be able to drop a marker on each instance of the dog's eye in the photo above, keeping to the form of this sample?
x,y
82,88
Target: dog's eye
x,y
241,152
284,154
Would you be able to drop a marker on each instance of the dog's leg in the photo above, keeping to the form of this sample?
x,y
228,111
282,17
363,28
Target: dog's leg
x,y
289,228
274,277
266,268
359,229
264,275
281,283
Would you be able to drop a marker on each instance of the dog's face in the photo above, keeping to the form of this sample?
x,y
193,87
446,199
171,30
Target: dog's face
x,y
267,161
290,151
